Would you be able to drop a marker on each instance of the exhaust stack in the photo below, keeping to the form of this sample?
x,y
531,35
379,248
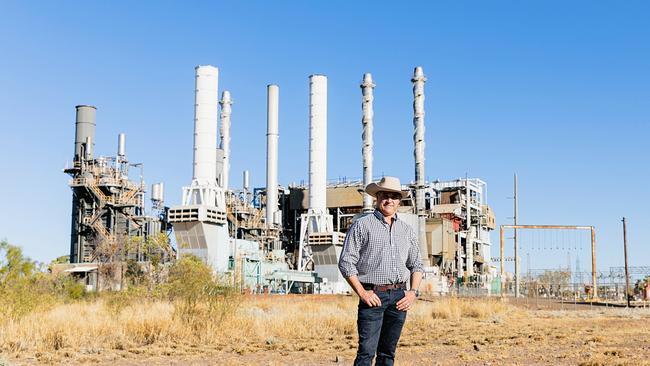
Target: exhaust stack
x,y
226,111
85,132
121,145
272,136
317,145
205,125
367,88
418,152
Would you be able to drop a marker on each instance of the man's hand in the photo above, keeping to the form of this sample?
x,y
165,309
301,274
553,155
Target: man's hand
x,y
407,301
370,298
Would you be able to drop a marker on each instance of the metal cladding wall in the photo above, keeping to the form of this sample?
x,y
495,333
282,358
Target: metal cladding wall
x,y
84,130
205,124
317,143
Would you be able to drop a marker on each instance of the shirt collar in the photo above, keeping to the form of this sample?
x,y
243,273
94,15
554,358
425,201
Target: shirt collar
x,y
380,216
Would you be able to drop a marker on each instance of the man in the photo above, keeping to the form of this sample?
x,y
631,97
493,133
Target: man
x,y
379,255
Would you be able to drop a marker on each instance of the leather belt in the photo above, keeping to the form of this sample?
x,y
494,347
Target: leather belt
x,y
384,288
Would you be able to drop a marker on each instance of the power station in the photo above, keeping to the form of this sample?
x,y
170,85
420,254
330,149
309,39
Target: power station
x,y
276,238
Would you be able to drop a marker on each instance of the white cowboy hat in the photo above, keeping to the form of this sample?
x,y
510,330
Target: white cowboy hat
x,y
386,184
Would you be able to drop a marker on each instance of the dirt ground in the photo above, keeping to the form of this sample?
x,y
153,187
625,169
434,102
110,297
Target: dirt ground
x,y
590,337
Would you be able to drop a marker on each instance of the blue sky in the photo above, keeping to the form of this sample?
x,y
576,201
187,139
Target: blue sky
x,y
555,91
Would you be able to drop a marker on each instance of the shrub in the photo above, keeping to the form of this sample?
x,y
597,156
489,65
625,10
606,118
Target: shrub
x,y
200,298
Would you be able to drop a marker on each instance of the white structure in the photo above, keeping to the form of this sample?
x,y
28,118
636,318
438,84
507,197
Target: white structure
x,y
317,219
317,147
367,88
319,245
418,152
226,111
121,145
272,136
200,222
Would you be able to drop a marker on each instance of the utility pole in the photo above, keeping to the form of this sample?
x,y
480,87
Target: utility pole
x,y
516,245
627,274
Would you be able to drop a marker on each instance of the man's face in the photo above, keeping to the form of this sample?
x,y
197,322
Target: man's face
x,y
387,202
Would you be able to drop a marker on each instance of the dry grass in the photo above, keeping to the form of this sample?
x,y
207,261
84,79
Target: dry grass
x,y
314,330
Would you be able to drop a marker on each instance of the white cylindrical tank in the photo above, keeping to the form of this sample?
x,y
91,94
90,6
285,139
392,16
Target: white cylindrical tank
x,y
121,145
272,136
205,124
226,111
367,88
317,143
157,193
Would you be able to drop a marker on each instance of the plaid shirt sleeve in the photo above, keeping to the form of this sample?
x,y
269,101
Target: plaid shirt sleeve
x,y
350,253
414,262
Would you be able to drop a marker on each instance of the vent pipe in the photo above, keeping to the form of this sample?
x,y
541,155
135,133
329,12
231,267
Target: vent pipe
x,y
89,146
246,181
317,143
121,145
205,124
84,131
157,192
226,111
272,136
418,152
367,88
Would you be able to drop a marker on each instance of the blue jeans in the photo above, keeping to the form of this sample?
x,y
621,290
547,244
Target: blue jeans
x,y
379,329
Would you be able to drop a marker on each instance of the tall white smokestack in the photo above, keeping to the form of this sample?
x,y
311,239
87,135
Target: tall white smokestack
x,y
367,88
226,111
317,143
205,124
418,152
272,135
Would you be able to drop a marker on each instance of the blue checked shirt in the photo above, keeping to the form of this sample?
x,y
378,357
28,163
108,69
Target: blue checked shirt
x,y
380,254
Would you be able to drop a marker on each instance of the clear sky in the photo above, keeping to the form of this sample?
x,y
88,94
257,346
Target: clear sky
x,y
558,92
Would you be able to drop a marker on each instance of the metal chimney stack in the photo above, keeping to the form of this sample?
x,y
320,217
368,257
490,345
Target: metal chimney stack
x,y
121,145
205,124
317,143
367,89
272,135
226,111
84,131
418,152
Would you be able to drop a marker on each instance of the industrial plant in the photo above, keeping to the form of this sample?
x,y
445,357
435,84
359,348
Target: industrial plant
x,y
278,238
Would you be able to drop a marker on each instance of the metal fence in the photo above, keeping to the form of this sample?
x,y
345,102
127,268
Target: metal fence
x,y
558,289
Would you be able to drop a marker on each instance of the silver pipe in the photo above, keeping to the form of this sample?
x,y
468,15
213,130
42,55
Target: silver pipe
x,y
272,136
418,140
226,111
121,145
367,88
246,181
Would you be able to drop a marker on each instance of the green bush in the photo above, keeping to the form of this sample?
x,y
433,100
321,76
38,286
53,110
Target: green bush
x,y
22,288
199,297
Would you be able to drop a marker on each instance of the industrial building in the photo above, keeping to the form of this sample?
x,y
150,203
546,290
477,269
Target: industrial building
x,y
108,208
277,238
